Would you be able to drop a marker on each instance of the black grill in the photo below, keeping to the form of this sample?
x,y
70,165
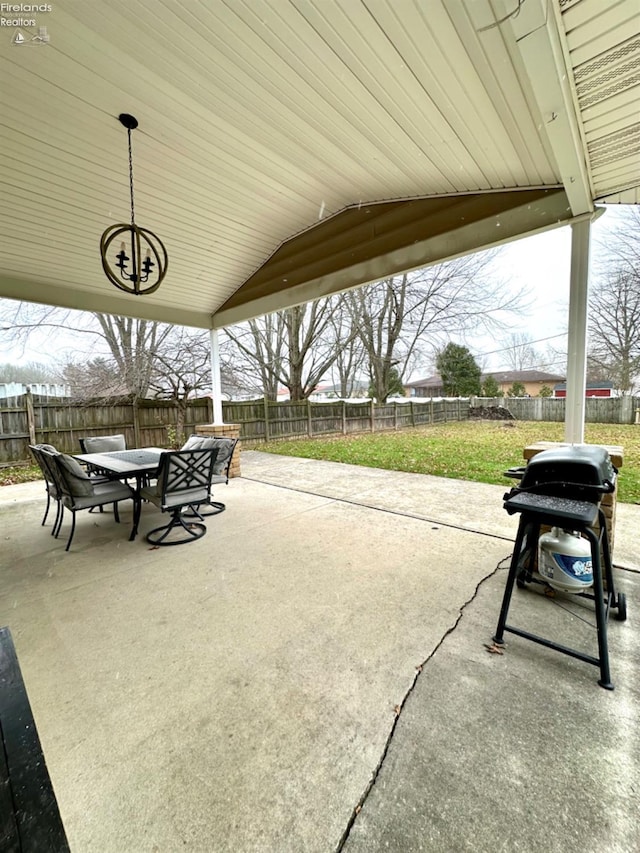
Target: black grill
x,y
577,473
563,487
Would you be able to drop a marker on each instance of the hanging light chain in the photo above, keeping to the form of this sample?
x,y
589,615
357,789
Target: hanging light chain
x,y
131,177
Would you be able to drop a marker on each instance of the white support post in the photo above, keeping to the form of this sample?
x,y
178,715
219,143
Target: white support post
x,y
577,344
216,384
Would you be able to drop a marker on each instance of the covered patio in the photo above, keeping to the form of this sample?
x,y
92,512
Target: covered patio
x,y
288,151
317,677
243,696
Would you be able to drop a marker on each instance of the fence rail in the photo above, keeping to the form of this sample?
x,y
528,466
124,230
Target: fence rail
x,y
30,419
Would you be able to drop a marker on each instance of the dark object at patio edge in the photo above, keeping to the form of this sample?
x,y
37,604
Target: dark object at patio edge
x,y
29,817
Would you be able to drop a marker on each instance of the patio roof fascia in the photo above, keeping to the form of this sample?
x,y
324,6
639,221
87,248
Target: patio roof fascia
x,y
109,302
531,217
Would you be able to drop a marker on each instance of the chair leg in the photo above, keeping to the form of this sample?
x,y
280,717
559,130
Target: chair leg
x,y
204,510
73,530
193,529
46,512
116,514
58,522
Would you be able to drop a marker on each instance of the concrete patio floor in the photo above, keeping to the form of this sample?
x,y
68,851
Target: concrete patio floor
x,y
312,675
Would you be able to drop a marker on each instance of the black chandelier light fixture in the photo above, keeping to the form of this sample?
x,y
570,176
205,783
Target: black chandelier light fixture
x,y
134,270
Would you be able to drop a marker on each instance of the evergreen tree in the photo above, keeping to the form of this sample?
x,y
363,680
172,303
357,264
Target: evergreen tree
x,y
490,387
517,390
459,371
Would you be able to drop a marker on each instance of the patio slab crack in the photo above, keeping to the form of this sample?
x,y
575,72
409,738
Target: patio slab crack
x,y
502,564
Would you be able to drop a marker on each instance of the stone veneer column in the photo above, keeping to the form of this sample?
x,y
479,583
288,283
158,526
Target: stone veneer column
x,y
226,431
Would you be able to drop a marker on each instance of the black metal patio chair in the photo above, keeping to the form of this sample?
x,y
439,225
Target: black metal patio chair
x,y
103,444
184,481
50,484
225,447
78,491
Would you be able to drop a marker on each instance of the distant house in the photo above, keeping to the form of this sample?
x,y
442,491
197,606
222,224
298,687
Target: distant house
x,y
43,389
429,387
359,388
533,380
594,389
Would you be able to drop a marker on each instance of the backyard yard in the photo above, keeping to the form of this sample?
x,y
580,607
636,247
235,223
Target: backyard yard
x,y
465,450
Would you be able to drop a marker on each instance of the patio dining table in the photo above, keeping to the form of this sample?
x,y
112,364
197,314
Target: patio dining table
x,y
139,463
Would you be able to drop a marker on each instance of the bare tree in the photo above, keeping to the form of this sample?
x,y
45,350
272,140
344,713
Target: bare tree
x,y
97,377
519,352
408,314
181,370
350,360
294,348
130,344
614,321
33,371
614,307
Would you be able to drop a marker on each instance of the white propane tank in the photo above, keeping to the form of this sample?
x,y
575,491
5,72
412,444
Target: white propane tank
x,y
564,560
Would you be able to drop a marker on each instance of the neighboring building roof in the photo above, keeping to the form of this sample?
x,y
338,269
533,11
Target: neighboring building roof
x,y
562,386
420,383
524,376
500,377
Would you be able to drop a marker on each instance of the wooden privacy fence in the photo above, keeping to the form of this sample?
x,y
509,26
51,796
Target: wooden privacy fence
x,y
30,419
261,421
598,410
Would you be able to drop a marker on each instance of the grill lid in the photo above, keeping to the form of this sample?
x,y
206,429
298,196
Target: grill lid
x,y
583,472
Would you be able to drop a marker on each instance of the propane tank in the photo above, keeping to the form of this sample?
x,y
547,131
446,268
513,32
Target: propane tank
x,y
564,560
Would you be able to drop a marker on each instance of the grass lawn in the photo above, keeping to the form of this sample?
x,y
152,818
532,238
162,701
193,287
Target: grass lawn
x,y
465,450
19,474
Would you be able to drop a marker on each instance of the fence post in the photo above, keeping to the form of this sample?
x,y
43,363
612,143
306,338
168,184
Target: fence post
x,y
266,419
309,421
413,417
431,410
372,416
31,421
344,418
395,415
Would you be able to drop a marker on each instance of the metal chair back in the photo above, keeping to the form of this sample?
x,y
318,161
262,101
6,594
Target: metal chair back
x,y
225,447
103,443
185,473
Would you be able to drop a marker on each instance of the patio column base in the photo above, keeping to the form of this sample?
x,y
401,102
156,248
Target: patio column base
x,y
229,431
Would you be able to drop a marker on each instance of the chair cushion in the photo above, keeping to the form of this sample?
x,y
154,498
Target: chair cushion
x,y
105,443
104,493
183,498
79,483
208,442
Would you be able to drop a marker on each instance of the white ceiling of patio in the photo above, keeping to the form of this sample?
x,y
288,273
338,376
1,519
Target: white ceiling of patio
x,y
260,119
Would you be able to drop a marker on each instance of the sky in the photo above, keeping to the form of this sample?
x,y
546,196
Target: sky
x,y
539,264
